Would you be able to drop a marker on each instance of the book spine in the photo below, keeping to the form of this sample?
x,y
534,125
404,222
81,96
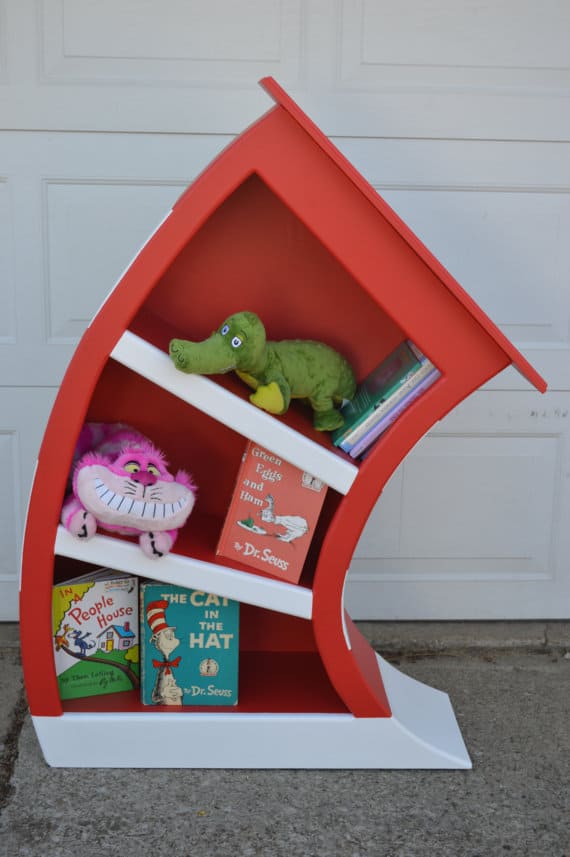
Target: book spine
x,y
386,406
417,353
397,368
380,427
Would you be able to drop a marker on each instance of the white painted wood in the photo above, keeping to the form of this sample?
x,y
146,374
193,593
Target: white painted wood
x,y
7,265
422,733
457,113
362,68
21,429
474,522
186,571
491,212
248,420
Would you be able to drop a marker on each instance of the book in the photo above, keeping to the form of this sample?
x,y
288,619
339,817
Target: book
x,y
386,405
362,445
272,515
96,634
378,386
189,646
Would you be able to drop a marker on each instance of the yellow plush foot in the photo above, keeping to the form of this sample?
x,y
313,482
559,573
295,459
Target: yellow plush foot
x,y
269,398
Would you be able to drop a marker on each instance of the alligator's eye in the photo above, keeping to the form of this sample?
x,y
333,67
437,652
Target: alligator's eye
x,y
132,467
152,468
225,330
236,342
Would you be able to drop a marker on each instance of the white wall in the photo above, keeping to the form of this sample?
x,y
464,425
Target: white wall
x,y
457,113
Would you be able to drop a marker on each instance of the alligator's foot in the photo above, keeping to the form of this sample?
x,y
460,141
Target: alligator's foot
x,y
328,420
270,398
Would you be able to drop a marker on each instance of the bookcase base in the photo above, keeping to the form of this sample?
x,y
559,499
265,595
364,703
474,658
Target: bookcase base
x,y
421,733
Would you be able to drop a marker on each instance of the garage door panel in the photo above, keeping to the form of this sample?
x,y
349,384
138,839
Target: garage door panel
x,y
482,499
23,415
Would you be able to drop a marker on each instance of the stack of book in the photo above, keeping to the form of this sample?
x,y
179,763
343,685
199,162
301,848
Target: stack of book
x,y
383,396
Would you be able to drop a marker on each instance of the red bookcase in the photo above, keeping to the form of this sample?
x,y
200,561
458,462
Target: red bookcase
x,y
281,224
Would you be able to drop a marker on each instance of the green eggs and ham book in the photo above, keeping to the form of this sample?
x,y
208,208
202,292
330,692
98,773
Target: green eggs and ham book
x,y
190,646
272,516
95,634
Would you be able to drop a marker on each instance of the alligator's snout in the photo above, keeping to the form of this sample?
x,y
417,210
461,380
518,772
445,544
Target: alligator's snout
x,y
176,351
210,357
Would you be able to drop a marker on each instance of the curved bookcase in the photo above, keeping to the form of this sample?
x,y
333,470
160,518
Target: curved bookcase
x,y
281,224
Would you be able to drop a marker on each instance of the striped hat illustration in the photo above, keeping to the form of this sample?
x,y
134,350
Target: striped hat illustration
x,y
156,616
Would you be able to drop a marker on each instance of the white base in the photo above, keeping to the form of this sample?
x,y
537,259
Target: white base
x,y
422,733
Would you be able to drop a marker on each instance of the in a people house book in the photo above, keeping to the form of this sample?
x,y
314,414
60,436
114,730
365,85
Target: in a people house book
x,y
272,516
190,646
95,634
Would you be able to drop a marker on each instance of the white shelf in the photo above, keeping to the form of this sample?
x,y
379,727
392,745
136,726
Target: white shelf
x,y
421,733
203,393
184,571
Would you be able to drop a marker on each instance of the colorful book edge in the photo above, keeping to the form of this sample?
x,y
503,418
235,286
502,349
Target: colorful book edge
x,y
407,385
379,428
378,385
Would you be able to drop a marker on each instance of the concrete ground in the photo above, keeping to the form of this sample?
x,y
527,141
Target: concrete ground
x,y
510,687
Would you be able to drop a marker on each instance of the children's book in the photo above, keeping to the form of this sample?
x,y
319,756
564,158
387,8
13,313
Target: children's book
x,y
362,445
189,646
95,634
387,405
272,515
382,383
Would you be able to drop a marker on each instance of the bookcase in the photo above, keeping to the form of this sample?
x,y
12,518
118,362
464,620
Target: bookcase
x,y
281,224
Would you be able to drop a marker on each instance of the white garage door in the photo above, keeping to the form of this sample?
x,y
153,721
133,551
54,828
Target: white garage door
x,y
456,111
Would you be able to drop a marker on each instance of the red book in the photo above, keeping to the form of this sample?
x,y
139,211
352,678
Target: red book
x,y
272,515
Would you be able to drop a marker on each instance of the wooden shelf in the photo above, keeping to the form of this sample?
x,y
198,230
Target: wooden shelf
x,y
219,403
269,682
422,733
188,571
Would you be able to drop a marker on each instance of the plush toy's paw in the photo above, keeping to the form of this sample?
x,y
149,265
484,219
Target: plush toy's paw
x,y
82,524
270,398
328,420
155,545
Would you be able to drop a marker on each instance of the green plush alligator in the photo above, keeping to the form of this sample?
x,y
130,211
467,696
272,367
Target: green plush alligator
x,y
277,371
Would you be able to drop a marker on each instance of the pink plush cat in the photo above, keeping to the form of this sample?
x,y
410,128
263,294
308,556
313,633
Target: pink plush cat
x,y
121,483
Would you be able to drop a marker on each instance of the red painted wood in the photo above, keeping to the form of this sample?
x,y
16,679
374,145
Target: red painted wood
x,y
270,683
280,224
514,356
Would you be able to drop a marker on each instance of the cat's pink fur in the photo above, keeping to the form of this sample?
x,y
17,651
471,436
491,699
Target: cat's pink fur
x,y
121,483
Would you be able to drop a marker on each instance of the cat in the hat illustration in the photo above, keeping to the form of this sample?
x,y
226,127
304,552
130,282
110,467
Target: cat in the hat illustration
x,y
165,691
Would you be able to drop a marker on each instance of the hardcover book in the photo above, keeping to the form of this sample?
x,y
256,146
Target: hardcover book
x,y
95,634
382,383
272,515
387,405
363,445
189,646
